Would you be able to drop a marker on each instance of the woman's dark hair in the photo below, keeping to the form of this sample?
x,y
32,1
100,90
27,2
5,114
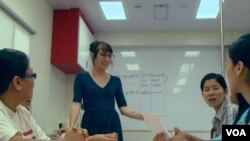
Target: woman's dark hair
x,y
96,46
12,63
243,106
240,51
219,78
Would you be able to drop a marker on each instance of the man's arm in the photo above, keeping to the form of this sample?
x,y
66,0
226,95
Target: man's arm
x,y
72,134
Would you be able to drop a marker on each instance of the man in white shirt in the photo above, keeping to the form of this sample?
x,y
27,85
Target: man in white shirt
x,y
16,85
19,122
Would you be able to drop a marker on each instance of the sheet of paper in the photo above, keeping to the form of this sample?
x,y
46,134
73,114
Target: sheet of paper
x,y
155,124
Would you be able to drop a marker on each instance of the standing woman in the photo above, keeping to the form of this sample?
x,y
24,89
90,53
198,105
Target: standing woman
x,y
99,90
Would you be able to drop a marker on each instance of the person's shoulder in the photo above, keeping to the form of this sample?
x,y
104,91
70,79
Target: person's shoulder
x,y
231,108
1,105
219,138
82,74
3,108
114,77
243,117
229,105
235,108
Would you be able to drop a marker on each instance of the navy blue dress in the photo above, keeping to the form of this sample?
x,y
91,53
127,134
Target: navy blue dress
x,y
100,116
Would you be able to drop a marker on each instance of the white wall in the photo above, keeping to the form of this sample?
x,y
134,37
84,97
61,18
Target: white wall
x,y
49,99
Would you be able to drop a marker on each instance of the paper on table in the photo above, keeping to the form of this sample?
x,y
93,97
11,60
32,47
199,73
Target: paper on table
x,y
155,124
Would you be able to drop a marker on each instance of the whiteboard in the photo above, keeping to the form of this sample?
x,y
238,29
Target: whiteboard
x,y
167,84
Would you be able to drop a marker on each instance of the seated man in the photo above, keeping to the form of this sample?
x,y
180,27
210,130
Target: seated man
x,y
16,85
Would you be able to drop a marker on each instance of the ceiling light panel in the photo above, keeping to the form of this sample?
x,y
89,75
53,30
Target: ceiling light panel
x,y
192,53
113,10
208,9
133,67
128,54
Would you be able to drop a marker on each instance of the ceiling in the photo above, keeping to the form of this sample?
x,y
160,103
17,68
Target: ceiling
x,y
180,16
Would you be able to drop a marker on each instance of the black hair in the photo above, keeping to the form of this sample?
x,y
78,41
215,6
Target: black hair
x,y
96,46
219,78
242,107
12,63
240,51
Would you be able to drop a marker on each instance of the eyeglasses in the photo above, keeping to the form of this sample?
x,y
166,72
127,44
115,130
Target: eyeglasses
x,y
33,75
110,56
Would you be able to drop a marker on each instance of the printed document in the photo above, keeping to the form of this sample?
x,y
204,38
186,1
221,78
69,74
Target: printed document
x,y
155,124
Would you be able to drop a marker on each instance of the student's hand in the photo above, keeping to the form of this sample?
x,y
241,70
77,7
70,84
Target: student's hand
x,y
62,130
76,134
180,136
160,137
104,137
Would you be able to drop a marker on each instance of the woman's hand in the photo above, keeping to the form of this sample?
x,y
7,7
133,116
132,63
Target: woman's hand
x,y
183,136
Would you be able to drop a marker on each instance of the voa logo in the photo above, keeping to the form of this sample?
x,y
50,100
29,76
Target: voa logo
x,y
236,132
